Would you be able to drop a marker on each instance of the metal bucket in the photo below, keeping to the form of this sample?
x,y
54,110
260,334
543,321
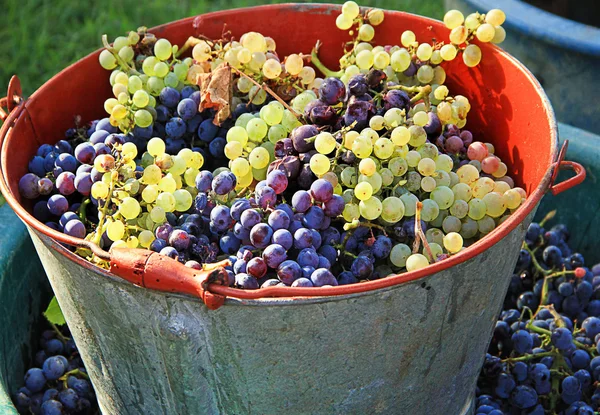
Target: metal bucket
x,y
563,54
409,344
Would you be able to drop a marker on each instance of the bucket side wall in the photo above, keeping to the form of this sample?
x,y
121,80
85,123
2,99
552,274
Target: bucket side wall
x,y
383,351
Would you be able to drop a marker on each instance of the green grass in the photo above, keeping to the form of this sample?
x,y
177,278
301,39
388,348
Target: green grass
x,y
41,37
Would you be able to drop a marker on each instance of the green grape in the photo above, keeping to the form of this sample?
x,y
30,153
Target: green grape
x,y
472,55
462,191
443,196
363,190
242,121
349,138
453,242
371,208
134,84
348,195
171,80
110,104
99,190
183,200
367,167
453,179
364,59
416,262
289,121
392,209
179,165
240,167
467,174
413,181
381,60
428,184
410,204
272,114
258,95
362,147
370,134
428,150
148,65
363,46
400,254
425,75
486,225
437,222
459,208
161,69
400,59
435,249
147,159
319,164
190,176
512,198
349,177
143,118
162,49
259,158
107,60
502,187
167,184
430,210
257,129
152,174
434,235
246,180
418,136
186,154
302,100
377,122
121,78
482,187
150,193
366,32
129,208
238,134
477,209
155,85
495,204
325,143
244,56
156,146
180,70
426,167
393,118
383,148
176,178
387,177
451,224
398,166
276,133
351,212
469,228
158,215
132,186
140,98
115,230
146,238
413,158
270,147
444,163
166,201
374,180
441,178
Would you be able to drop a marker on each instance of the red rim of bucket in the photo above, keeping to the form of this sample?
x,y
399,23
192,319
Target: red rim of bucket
x,y
287,293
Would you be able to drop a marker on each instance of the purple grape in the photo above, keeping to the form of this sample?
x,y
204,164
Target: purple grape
x,y
240,232
358,112
101,148
85,153
362,267
170,252
319,113
307,272
346,278
229,243
278,219
308,257
65,183
75,228
324,262
260,235
288,272
322,276
453,144
63,146
238,207
83,183
433,128
290,165
257,267
223,183
221,218
28,186
321,190
98,137
246,282
295,224
240,266
328,252
305,177
332,91
274,255
286,208
358,85
53,368
175,128
193,264
187,108
382,247
36,166
163,231
299,136
58,204
66,162
249,218
270,283
266,197
35,380
301,201
335,206
396,99
284,238
169,97
303,238
466,137
278,181
179,240
314,217
316,239
285,147
302,282
207,130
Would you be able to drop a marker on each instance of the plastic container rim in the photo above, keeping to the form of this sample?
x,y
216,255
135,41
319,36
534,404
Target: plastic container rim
x,y
248,297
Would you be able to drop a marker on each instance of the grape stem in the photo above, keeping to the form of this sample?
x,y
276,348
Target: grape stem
x,y
425,91
528,357
314,58
549,216
419,235
74,372
269,91
120,60
82,209
189,43
59,333
104,209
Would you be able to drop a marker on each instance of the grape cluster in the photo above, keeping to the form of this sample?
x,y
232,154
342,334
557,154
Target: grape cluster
x,y
544,355
58,382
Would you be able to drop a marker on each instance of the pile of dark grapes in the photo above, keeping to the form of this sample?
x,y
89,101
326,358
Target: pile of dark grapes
x,y
544,357
57,382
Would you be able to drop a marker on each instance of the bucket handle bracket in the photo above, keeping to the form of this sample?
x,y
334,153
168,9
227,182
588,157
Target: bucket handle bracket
x,y
13,98
562,164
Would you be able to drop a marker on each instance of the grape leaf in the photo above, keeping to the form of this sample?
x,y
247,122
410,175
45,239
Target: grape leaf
x,y
54,314
216,92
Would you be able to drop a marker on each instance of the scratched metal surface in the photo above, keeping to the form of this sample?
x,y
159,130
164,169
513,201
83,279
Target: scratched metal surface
x,y
408,349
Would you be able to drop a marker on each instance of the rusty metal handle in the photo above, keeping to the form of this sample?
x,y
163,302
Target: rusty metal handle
x,y
560,164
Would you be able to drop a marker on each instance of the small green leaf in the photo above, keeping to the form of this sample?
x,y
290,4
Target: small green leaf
x,y
54,314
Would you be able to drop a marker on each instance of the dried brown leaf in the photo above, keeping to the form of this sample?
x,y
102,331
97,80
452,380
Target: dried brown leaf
x,y
216,92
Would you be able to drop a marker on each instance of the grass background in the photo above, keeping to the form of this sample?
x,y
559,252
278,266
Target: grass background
x,y
41,37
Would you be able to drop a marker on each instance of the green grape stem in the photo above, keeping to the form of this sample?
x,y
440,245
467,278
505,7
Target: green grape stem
x,y
314,58
420,235
549,216
422,95
528,357
59,333
104,210
82,209
75,372
120,60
